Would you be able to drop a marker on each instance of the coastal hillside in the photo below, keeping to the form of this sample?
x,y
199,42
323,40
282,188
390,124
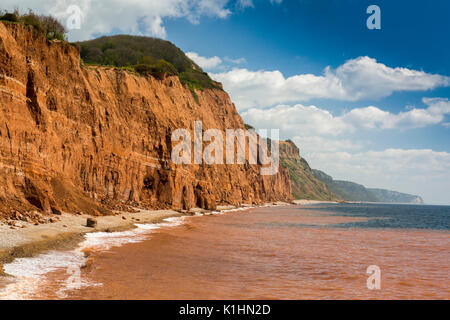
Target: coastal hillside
x,y
351,191
389,196
304,184
92,139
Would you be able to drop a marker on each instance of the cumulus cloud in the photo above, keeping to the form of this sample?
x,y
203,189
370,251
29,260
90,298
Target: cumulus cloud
x,y
204,63
389,161
314,144
418,171
372,117
356,79
235,61
297,120
311,120
211,63
139,17
135,16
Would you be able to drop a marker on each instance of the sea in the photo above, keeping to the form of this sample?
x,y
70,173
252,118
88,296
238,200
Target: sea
x,y
322,251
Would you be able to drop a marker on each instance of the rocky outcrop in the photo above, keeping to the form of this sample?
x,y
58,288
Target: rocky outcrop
x,y
92,139
304,184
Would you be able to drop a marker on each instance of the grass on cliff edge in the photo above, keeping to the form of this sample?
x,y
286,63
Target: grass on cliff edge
x,y
146,56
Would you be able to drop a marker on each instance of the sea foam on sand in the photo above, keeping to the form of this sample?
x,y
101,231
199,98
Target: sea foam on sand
x,y
28,275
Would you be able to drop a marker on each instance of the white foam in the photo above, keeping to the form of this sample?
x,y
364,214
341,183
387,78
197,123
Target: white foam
x,y
29,274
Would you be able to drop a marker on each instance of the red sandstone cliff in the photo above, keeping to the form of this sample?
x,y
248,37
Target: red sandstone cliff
x,y
92,139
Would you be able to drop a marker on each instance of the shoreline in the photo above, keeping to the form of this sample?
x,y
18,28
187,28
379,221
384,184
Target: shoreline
x,y
304,202
70,229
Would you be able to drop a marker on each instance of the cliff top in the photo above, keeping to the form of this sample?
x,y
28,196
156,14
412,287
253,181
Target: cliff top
x,y
145,55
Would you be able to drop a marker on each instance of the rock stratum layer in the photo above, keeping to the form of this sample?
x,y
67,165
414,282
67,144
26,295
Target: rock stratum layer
x,y
93,139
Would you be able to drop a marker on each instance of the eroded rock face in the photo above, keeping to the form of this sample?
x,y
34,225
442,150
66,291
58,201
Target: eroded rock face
x,y
304,184
89,140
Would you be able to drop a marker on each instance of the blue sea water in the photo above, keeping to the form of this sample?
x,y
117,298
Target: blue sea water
x,y
397,216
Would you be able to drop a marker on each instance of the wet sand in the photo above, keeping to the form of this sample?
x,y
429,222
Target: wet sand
x,y
24,242
265,253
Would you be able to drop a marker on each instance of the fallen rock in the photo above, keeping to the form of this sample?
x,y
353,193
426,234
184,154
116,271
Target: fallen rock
x,y
56,211
91,223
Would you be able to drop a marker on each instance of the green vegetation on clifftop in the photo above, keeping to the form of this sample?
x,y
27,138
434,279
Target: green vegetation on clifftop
x,y
47,26
147,56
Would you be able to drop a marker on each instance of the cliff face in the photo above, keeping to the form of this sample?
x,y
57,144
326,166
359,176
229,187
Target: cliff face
x,y
74,138
304,184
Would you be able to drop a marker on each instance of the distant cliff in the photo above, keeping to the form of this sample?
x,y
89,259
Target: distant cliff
x,y
389,196
304,184
92,139
351,191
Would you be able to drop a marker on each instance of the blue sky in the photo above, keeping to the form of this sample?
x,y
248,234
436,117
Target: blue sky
x,y
370,106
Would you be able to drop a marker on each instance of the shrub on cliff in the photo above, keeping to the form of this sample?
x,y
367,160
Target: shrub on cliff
x,y
11,17
48,26
198,79
156,69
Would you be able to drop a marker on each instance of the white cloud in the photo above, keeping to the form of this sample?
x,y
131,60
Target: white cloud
x,y
418,171
313,144
311,120
249,3
356,79
297,120
137,17
372,117
447,124
389,161
204,63
105,16
236,61
245,3
211,63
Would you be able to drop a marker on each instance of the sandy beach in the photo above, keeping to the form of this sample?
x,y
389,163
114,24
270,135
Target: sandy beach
x,y
304,202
